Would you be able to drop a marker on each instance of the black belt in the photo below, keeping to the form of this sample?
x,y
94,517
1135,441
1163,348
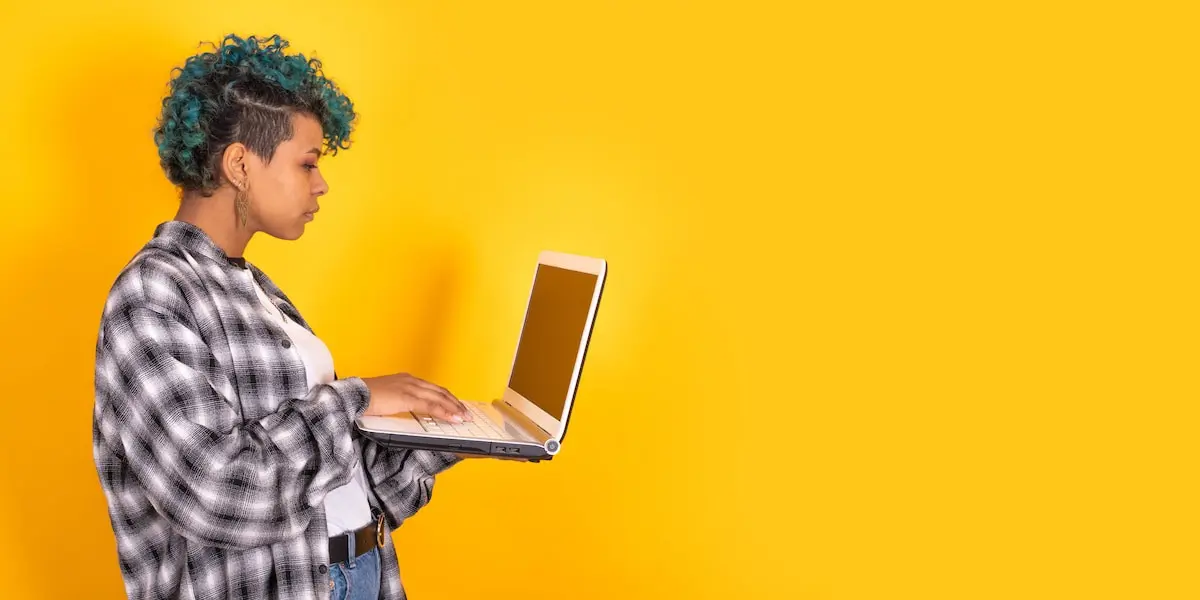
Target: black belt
x,y
353,544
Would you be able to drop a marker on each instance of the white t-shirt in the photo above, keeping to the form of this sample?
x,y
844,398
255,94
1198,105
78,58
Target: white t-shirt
x,y
347,507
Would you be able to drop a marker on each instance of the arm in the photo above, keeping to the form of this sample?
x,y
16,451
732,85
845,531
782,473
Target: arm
x,y
403,479
239,488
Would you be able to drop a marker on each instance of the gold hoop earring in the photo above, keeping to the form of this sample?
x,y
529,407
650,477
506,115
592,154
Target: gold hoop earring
x,y
242,204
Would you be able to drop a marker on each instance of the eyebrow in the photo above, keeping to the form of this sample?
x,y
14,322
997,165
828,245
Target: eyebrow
x,y
316,151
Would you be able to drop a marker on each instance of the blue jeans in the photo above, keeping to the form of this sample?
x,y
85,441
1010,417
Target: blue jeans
x,y
358,579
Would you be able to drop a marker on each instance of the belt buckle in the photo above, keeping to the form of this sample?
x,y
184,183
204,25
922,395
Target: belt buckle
x,y
379,531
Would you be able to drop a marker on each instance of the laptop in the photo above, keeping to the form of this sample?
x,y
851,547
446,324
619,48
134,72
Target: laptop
x,y
530,420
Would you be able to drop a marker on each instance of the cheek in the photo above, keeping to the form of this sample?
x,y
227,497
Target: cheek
x,y
295,186
305,181
288,189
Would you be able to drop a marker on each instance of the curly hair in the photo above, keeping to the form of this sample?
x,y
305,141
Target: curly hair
x,y
245,90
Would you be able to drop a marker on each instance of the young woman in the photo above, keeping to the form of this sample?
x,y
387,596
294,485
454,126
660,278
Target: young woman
x,y
224,441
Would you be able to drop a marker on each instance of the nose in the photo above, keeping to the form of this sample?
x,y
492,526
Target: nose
x,y
320,186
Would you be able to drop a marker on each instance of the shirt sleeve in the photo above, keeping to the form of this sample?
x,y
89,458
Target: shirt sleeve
x,y
253,485
402,479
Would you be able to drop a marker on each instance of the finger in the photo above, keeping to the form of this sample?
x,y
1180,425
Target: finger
x,y
422,389
456,407
440,411
445,395
462,406
451,403
438,406
436,388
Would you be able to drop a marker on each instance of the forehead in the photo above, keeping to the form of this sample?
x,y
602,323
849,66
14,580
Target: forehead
x,y
306,133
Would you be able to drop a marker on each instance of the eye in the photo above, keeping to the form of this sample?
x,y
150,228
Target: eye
x,y
309,166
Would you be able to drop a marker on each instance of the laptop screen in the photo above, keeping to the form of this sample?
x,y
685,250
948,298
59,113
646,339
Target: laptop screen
x,y
551,338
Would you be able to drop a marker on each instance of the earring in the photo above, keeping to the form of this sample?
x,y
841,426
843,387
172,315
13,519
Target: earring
x,y
242,205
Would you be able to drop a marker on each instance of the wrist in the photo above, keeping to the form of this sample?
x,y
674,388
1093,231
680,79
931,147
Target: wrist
x,y
360,398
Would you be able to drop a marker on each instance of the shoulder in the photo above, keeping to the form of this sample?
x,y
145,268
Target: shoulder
x,y
158,278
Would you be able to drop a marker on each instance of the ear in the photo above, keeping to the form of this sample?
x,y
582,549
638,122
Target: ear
x,y
234,164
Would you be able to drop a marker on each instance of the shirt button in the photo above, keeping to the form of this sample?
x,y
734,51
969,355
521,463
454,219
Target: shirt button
x,y
322,569
286,343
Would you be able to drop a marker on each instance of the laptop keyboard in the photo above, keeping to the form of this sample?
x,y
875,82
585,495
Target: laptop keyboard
x,y
481,427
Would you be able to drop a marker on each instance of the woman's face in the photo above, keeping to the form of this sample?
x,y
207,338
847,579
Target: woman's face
x,y
283,193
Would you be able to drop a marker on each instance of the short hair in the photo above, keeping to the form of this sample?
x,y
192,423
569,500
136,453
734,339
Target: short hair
x,y
245,90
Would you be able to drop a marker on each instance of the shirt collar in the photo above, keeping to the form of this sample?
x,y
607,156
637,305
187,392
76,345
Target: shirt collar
x,y
194,239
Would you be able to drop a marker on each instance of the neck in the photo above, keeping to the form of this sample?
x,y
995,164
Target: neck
x,y
216,216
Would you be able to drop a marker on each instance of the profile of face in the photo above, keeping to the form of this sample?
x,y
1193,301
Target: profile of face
x,y
282,193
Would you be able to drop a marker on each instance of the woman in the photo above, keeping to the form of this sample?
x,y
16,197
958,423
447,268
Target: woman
x,y
224,442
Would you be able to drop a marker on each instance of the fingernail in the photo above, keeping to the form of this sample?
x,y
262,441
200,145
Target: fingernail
x,y
458,419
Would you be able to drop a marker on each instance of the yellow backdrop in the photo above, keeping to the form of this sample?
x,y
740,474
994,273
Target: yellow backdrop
x,y
901,298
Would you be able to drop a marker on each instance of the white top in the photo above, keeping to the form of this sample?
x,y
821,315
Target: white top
x,y
347,507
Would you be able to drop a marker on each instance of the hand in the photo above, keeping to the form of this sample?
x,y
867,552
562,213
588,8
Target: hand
x,y
393,394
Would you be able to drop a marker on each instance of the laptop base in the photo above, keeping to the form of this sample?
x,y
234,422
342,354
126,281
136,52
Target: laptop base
x,y
506,449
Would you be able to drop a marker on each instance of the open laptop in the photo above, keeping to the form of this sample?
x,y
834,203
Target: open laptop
x,y
530,420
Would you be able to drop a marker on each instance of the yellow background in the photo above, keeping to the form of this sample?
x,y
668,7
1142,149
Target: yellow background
x,y
902,295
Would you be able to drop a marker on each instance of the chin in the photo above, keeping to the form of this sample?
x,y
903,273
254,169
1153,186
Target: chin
x,y
287,233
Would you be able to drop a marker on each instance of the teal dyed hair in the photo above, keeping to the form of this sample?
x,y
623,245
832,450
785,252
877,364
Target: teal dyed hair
x,y
244,90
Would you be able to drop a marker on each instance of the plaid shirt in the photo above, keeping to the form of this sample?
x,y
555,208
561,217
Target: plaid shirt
x,y
213,454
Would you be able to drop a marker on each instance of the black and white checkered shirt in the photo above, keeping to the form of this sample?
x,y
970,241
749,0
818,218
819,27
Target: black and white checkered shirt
x,y
213,454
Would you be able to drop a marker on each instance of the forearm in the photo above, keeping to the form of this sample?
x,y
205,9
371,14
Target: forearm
x,y
270,473
403,479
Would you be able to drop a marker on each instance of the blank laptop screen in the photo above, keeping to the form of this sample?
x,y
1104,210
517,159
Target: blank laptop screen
x,y
550,340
